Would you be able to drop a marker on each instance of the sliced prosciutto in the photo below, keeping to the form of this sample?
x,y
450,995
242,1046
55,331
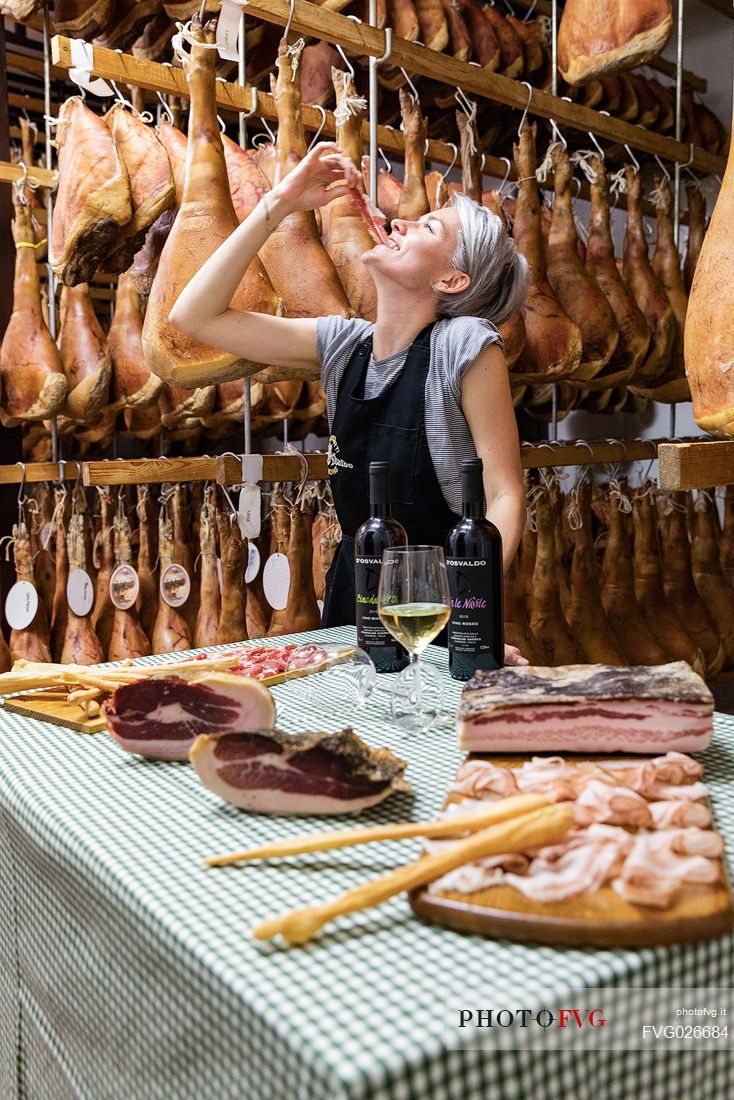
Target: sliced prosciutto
x,y
161,717
270,772
586,708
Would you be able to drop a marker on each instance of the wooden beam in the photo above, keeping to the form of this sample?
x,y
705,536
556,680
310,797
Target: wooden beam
x,y
536,456
37,471
698,465
361,39
9,173
28,102
149,471
275,468
22,63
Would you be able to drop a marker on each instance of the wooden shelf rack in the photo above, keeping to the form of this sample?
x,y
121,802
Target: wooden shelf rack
x,y
700,464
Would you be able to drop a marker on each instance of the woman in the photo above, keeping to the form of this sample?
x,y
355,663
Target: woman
x,y
423,388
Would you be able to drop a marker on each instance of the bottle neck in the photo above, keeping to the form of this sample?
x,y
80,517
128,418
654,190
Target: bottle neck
x,y
473,509
379,494
380,508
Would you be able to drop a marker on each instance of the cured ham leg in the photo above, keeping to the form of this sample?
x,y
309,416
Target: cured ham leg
x,y
247,183
707,575
596,38
584,612
207,620
553,341
573,286
33,382
485,48
347,237
649,591
634,332
82,18
81,646
709,333
133,386
152,189
128,638
434,31
93,201
414,199
301,612
696,233
512,59
547,622
646,288
31,643
28,134
205,219
84,356
726,542
103,612
302,272
183,554
389,190
60,609
460,44
517,624
171,631
233,551
147,601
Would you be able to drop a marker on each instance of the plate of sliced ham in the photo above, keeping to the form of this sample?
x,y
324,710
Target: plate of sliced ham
x,y
643,865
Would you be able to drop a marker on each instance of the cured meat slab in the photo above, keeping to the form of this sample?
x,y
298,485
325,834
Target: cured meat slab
x,y
586,708
597,919
270,772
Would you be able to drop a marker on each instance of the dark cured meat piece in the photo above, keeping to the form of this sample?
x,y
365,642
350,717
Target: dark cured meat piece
x,y
308,773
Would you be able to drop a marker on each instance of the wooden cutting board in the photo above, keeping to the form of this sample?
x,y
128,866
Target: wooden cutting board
x,y
52,706
601,919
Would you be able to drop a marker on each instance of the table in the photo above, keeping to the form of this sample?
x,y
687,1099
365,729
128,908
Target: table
x,y
127,971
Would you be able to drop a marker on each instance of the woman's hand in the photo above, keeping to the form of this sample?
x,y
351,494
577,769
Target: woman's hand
x,y
513,656
324,174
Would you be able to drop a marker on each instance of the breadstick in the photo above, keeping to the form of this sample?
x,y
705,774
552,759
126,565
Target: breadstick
x,y
535,829
345,838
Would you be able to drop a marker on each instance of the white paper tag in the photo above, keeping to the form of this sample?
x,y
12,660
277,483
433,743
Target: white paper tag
x,y
21,605
219,574
249,508
277,581
80,592
46,532
253,563
228,25
175,585
124,587
82,59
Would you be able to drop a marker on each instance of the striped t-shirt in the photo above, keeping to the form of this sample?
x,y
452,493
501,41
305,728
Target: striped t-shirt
x,y
455,344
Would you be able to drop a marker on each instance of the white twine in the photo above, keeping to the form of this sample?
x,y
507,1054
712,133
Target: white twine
x,y
618,183
347,105
185,35
546,165
582,159
617,493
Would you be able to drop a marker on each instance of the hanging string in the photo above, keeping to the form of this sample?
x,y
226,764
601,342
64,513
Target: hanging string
x,y
546,165
582,159
347,105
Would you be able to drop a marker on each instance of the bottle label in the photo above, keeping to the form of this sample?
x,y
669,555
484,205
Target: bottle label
x,y
472,618
370,631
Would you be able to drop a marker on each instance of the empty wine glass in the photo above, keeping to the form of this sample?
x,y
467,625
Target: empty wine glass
x,y
414,605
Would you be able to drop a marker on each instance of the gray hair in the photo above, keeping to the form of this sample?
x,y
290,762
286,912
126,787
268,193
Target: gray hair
x,y
487,254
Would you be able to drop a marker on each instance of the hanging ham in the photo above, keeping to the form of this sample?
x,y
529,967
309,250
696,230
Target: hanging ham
x,y
301,611
646,288
414,199
205,219
696,232
128,639
583,611
60,607
103,612
147,601
233,550
553,341
132,383
634,332
207,620
32,642
93,201
302,272
33,382
711,586
547,622
84,356
572,284
183,551
170,632
151,183
596,37
709,333
347,237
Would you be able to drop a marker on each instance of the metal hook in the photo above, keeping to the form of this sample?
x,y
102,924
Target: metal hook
x,y
557,132
387,162
691,152
453,159
21,494
596,143
345,59
527,106
317,135
411,85
269,132
633,158
120,97
388,47
468,107
481,166
291,13
222,124
531,9
663,168
166,108
508,162
253,101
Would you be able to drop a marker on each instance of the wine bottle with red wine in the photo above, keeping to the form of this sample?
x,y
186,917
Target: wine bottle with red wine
x,y
474,566
380,532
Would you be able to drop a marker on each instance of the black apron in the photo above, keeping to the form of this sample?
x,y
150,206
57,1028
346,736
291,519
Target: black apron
x,y
388,428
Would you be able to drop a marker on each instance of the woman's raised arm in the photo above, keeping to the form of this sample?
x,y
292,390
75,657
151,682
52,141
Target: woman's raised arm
x,y
203,307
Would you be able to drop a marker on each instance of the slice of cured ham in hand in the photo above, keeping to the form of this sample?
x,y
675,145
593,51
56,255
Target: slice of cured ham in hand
x,y
271,772
161,717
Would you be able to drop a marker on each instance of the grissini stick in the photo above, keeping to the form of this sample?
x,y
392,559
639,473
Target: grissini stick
x,y
544,826
345,838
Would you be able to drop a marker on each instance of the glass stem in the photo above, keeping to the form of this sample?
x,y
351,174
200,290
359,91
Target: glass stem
x,y
417,682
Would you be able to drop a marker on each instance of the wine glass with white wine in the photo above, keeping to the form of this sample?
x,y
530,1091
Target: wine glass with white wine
x,y
414,605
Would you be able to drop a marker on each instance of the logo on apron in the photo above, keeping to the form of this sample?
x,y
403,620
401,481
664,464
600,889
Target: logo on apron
x,y
332,462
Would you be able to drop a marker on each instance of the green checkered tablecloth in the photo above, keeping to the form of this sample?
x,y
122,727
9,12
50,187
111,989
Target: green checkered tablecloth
x,y
127,971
